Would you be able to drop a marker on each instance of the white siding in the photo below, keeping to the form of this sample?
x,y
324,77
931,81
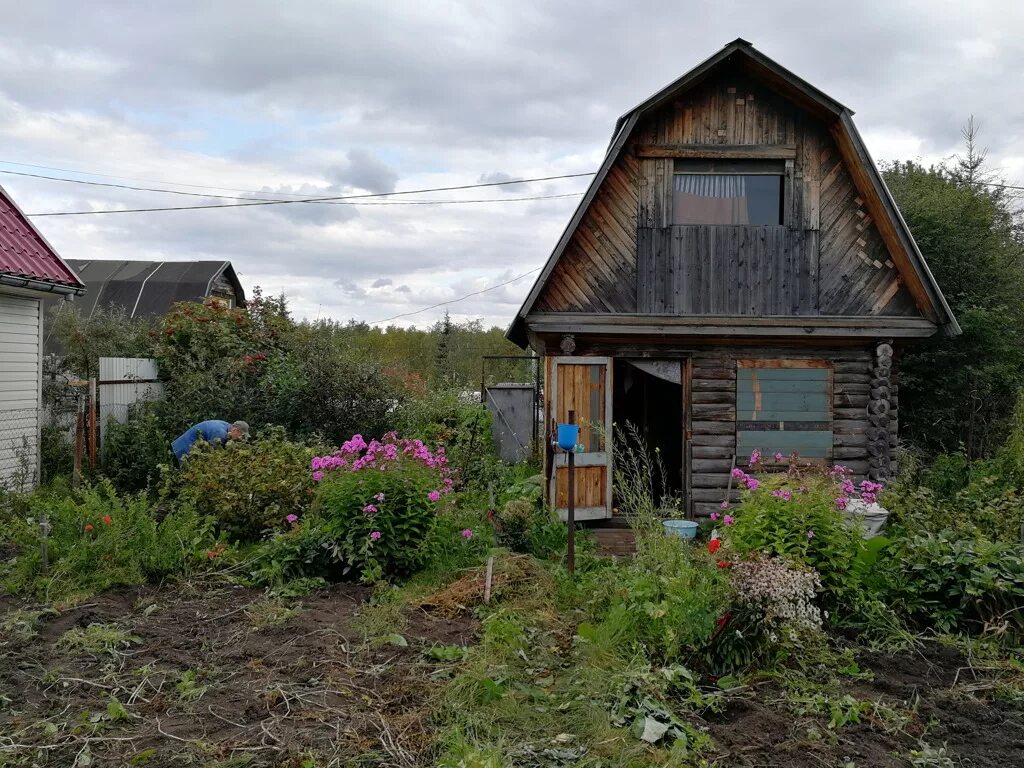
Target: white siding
x,y
20,385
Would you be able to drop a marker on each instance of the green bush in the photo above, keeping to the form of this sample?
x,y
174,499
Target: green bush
x,y
462,428
378,503
99,540
666,603
796,516
247,487
951,583
134,450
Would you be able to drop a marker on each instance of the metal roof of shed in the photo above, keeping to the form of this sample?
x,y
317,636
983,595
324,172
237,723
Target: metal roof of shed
x,y
150,288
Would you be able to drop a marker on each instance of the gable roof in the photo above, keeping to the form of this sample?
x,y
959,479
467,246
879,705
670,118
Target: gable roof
x,y
27,260
892,227
148,288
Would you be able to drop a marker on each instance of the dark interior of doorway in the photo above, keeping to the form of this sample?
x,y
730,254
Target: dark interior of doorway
x,y
654,405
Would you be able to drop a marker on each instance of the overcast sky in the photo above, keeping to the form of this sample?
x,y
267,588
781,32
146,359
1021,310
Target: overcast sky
x,y
307,98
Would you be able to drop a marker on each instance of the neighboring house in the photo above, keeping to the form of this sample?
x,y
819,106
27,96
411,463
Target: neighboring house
x,y
736,277
29,271
150,288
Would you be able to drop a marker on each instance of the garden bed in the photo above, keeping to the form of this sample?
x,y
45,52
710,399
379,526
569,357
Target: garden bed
x,y
209,674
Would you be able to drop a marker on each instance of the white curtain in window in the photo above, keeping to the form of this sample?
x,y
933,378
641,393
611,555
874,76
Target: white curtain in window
x,y
710,199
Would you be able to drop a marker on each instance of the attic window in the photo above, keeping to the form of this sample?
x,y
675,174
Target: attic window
x,y
743,192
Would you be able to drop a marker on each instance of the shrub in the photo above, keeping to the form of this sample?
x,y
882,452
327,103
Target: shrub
x,y
247,487
667,602
953,583
134,450
798,516
378,503
98,540
462,428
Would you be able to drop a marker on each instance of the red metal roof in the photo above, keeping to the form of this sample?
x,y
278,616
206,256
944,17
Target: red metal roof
x,y
25,253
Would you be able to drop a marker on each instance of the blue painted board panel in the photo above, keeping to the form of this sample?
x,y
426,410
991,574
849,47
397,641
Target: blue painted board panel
x,y
810,445
785,374
773,403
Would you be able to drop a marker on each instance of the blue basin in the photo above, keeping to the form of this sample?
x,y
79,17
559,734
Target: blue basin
x,y
684,529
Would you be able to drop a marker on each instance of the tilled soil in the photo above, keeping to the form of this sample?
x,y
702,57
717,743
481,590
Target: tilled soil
x,y
934,698
218,675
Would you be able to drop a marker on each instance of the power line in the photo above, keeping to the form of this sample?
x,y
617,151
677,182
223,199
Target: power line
x,y
149,181
456,301
334,198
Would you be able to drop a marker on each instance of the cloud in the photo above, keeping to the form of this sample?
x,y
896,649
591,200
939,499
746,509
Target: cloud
x,y
363,171
284,101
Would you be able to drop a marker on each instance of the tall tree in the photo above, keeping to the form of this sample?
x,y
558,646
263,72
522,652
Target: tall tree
x,y
959,392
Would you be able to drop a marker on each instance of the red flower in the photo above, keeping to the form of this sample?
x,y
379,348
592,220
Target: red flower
x,y
107,520
724,564
713,545
88,527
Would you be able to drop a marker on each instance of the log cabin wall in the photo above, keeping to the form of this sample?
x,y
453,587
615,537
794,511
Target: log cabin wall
x,y
825,258
712,415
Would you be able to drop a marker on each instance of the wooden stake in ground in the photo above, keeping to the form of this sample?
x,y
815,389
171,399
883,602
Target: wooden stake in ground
x,y
487,579
92,423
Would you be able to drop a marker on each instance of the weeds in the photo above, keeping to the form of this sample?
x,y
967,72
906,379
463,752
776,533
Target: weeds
x,y
97,640
271,613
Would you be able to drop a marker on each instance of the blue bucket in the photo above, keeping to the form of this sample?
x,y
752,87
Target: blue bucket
x,y
684,529
568,435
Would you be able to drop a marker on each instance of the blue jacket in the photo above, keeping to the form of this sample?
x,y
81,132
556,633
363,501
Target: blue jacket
x,y
213,431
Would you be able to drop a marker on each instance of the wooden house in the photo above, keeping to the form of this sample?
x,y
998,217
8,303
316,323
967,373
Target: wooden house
x,y
737,276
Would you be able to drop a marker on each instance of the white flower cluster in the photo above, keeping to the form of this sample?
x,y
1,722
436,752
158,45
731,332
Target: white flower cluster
x,y
783,593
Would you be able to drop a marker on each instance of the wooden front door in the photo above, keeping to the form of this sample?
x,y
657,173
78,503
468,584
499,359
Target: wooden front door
x,y
583,385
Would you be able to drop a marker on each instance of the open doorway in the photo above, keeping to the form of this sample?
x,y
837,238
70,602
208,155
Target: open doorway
x,y
649,395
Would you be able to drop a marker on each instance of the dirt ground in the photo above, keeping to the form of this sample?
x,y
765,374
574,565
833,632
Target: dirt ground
x,y
209,674
217,675
935,696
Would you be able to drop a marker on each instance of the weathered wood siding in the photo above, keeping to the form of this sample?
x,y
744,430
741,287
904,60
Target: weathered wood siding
x,y
858,276
826,258
597,271
712,416
727,270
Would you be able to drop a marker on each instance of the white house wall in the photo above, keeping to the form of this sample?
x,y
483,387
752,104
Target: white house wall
x,y
20,389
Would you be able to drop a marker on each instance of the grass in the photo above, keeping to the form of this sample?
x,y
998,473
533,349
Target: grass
x,y
271,613
97,640
22,625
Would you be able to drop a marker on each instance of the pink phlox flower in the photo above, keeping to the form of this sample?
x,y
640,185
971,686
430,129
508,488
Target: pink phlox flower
x,y
467,533
867,486
841,502
802,489
755,456
838,470
370,509
724,505
870,498
737,472
375,535
434,495
753,483
847,487
728,519
315,463
379,497
782,493
448,483
810,534
292,519
715,515
779,456
318,476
